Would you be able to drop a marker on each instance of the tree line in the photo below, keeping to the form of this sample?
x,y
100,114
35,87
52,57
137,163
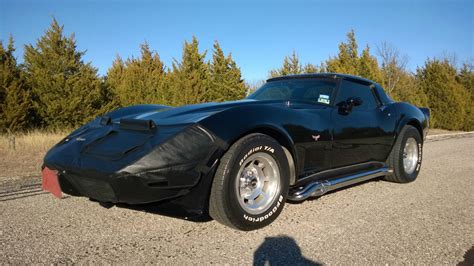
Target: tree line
x,y
438,84
55,89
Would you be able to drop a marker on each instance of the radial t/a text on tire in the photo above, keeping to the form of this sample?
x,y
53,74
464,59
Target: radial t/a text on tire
x,y
251,183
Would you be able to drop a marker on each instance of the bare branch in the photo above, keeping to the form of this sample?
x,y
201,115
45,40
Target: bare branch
x,y
393,65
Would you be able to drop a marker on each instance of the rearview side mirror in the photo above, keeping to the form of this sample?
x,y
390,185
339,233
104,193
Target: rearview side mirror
x,y
354,101
345,107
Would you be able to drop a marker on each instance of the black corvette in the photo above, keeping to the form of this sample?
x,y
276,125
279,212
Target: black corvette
x,y
296,137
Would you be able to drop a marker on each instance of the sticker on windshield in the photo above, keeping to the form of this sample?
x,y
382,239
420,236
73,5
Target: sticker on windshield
x,y
323,99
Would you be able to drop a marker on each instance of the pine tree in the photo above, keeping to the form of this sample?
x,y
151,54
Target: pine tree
x,y
138,80
114,78
368,67
291,66
448,100
225,78
189,79
347,60
466,78
409,90
15,100
310,68
66,91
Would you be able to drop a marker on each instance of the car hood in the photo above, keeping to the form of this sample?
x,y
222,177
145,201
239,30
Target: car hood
x,y
189,113
165,115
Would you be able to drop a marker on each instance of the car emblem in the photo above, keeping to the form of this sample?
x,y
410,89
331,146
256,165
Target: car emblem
x,y
316,137
80,139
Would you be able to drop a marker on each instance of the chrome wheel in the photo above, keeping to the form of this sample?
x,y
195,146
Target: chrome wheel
x,y
410,155
258,183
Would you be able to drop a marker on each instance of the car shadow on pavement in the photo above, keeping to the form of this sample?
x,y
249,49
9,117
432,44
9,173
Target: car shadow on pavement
x,y
468,258
176,211
280,250
169,210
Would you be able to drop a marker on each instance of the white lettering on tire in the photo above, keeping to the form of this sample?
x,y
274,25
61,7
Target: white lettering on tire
x,y
255,149
266,216
420,152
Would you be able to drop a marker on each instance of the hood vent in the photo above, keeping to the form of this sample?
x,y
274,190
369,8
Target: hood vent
x,y
137,124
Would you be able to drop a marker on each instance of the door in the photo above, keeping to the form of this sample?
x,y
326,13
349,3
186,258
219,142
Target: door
x,y
356,135
313,99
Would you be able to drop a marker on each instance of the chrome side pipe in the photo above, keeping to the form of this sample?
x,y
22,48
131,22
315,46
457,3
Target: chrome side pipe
x,y
318,188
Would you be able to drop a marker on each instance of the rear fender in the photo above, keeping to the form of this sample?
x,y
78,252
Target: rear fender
x,y
414,116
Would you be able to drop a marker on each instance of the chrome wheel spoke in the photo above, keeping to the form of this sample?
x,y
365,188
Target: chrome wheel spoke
x,y
410,155
264,196
258,183
261,175
255,193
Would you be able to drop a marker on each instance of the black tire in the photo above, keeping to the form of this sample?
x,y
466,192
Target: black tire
x,y
395,160
224,205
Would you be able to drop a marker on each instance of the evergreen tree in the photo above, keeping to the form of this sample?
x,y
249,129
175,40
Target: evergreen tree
x,y
347,60
66,91
368,67
409,90
138,80
310,68
114,78
448,100
189,79
466,78
225,78
291,66
15,100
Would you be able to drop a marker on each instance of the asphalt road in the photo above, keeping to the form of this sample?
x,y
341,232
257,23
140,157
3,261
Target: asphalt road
x,y
430,221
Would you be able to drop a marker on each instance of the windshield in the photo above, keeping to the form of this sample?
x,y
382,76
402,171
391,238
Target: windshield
x,y
308,89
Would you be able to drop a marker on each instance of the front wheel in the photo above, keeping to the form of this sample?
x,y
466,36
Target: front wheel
x,y
406,155
251,183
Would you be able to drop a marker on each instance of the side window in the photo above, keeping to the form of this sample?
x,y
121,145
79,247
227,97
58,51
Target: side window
x,y
353,89
319,91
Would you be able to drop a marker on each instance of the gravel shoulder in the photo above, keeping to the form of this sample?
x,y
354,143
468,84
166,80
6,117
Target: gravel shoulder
x,y
429,221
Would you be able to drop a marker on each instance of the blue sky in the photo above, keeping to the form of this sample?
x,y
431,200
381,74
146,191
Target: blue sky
x,y
258,33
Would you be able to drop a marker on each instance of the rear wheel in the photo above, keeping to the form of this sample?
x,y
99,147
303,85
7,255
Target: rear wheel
x,y
406,155
251,183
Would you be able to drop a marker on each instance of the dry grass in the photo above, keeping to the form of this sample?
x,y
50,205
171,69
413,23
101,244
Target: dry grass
x,y
436,131
26,156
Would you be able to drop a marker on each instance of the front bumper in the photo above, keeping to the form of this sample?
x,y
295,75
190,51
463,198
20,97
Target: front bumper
x,y
171,168
126,188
